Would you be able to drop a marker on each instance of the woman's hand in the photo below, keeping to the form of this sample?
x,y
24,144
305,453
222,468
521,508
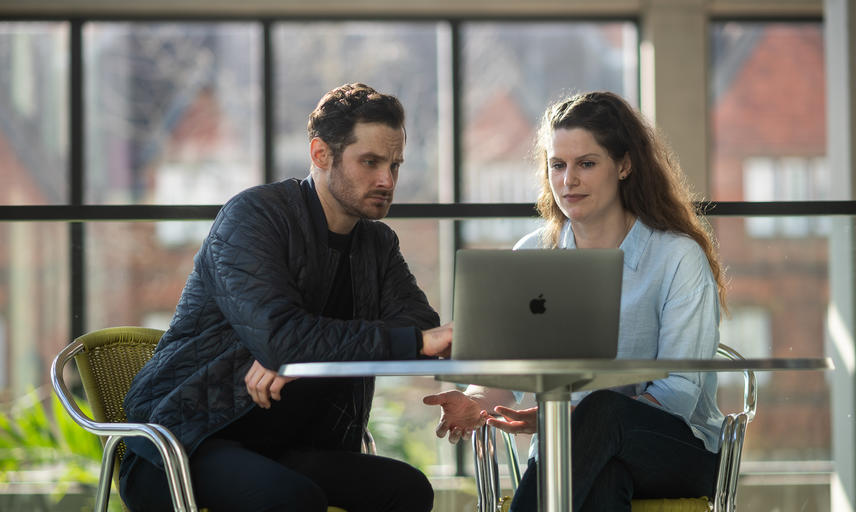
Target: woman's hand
x,y
264,385
460,414
524,421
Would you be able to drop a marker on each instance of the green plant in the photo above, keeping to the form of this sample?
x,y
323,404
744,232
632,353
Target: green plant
x,y
33,439
401,436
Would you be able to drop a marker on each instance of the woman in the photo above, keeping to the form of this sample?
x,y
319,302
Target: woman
x,y
608,181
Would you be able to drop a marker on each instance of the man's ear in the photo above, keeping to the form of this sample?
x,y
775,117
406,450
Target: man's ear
x,y
320,153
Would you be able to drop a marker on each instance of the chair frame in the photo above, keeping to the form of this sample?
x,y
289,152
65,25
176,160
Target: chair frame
x,y
174,456
732,436
733,433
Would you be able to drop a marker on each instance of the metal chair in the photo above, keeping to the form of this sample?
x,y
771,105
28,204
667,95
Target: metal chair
x,y
107,360
489,493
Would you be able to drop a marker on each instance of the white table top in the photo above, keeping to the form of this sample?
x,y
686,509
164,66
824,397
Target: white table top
x,y
539,375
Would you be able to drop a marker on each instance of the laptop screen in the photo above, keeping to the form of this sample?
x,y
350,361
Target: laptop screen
x,y
537,304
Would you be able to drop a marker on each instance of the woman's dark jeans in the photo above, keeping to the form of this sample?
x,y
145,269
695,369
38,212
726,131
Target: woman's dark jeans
x,y
624,449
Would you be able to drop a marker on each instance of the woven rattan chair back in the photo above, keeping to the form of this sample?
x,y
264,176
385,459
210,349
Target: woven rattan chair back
x,y
107,365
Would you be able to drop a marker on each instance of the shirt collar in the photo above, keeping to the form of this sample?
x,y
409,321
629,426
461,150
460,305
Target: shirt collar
x,y
633,245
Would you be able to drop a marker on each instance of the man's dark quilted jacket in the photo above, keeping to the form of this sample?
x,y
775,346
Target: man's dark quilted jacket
x,y
258,285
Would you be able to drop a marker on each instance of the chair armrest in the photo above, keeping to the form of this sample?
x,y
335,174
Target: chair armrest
x,y
176,461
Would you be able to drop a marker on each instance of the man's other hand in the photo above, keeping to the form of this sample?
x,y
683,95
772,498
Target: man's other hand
x,y
264,385
437,342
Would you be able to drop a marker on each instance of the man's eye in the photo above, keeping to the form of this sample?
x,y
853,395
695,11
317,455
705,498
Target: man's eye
x,y
370,162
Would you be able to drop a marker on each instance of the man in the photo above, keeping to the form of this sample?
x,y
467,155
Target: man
x,y
290,272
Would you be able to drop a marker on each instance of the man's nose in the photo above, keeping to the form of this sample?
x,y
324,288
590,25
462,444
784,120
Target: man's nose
x,y
385,178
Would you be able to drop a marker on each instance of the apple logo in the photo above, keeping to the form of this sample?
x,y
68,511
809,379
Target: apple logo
x,y
538,306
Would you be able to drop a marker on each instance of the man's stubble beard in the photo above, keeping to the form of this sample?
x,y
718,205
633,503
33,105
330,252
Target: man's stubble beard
x,y
342,190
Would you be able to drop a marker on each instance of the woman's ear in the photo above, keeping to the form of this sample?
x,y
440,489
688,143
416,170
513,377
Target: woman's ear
x,y
320,153
624,167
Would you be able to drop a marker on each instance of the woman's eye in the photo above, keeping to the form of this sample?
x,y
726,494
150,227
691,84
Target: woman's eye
x,y
557,166
587,164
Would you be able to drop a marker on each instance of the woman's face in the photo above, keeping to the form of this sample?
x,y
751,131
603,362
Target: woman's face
x,y
583,177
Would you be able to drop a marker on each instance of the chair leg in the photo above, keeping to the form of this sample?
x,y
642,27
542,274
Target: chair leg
x,y
478,470
723,477
486,469
734,464
513,460
105,478
178,472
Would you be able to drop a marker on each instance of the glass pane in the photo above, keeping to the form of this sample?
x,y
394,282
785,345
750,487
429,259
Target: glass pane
x,y
779,296
172,111
511,72
420,241
767,111
496,233
135,271
395,58
33,113
34,294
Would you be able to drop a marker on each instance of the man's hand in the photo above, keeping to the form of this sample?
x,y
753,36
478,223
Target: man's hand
x,y
460,414
524,421
264,385
437,341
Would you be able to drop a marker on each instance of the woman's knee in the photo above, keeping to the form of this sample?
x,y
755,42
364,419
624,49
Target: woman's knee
x,y
602,404
612,489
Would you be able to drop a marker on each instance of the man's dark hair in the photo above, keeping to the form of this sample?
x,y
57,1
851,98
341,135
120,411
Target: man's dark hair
x,y
339,110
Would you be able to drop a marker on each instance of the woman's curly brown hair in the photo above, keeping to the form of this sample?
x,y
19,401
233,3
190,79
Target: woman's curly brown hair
x,y
655,191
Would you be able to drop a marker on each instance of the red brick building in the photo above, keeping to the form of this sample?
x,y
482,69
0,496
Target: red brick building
x,y
769,143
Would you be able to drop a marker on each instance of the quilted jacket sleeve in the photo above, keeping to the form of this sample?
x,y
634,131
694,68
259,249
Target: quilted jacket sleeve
x,y
403,303
404,307
247,269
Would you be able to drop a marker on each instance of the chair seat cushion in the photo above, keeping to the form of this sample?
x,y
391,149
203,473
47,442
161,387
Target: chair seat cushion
x,y
671,505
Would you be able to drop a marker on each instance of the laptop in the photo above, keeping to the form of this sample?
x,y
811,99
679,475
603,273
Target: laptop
x,y
537,304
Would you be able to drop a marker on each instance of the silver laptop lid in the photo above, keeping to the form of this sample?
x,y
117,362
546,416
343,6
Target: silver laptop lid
x,y
537,304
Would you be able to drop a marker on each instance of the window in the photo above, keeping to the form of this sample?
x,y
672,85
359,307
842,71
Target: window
x,y
511,73
786,179
137,268
34,302
190,112
766,99
394,58
746,330
33,113
768,143
173,112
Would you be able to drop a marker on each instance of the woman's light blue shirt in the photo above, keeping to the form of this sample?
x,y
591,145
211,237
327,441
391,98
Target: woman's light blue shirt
x,y
669,310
